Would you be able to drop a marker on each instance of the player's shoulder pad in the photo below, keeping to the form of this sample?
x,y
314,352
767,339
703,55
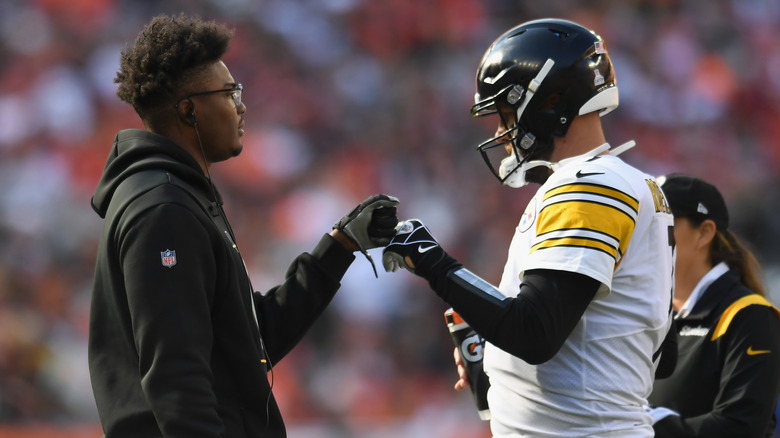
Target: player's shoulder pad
x,y
601,174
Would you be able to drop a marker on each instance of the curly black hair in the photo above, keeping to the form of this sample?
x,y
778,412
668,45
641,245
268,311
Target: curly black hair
x,y
168,52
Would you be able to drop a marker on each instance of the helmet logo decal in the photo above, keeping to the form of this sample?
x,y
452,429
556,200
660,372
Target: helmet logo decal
x,y
598,47
598,78
493,80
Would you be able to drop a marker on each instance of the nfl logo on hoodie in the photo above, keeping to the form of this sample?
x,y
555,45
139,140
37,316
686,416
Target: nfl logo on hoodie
x,y
168,258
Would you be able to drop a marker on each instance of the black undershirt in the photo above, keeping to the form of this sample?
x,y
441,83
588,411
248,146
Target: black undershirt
x,y
533,325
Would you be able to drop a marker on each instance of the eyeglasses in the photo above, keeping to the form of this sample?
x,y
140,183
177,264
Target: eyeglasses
x,y
235,93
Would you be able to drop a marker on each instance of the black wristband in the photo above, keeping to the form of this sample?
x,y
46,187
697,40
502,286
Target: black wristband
x,y
435,266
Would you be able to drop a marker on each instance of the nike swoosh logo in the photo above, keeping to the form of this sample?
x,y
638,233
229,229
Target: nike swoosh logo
x,y
752,352
581,174
421,250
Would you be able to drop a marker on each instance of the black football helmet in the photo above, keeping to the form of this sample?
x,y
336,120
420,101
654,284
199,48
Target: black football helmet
x,y
537,77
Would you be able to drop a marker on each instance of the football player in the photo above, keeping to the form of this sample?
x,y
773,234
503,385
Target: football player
x,y
575,328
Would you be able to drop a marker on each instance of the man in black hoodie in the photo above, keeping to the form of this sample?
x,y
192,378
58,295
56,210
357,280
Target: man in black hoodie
x,y
179,342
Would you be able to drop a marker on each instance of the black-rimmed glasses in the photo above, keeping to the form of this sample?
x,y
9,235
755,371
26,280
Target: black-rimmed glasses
x,y
235,93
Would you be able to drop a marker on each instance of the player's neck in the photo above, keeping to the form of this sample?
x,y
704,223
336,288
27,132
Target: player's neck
x,y
584,135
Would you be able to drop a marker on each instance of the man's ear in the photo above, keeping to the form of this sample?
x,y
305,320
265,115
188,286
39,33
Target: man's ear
x,y
186,112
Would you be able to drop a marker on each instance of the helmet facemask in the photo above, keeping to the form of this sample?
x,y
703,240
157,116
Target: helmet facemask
x,y
517,151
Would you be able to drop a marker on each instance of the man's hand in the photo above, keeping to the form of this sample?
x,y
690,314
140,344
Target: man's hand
x,y
463,378
413,248
369,225
372,223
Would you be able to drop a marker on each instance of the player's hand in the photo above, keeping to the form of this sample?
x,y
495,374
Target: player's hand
x,y
658,413
463,380
413,248
371,223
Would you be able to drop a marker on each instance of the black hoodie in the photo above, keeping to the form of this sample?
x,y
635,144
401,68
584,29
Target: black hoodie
x,y
175,346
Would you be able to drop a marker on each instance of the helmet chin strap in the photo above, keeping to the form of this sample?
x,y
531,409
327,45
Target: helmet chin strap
x,y
513,175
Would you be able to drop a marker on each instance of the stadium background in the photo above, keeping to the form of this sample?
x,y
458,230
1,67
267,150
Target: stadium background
x,y
346,98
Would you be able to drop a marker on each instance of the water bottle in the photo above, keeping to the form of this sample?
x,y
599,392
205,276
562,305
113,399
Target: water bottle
x,y
470,346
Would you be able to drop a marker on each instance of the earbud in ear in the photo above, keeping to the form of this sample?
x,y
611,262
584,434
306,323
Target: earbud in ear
x,y
191,117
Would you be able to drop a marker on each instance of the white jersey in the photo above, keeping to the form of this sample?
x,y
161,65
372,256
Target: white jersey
x,y
605,219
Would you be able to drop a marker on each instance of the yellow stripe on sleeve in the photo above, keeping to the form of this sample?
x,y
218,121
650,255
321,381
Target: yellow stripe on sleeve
x,y
579,218
596,190
578,242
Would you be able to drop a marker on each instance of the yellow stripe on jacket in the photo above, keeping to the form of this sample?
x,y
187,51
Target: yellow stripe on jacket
x,y
736,306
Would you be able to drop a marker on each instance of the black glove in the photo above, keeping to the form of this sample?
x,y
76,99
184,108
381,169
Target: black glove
x,y
371,224
413,240
381,229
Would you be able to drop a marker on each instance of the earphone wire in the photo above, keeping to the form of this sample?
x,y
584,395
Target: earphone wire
x,y
249,279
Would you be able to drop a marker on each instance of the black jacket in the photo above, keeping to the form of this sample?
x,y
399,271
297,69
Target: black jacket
x,y
174,346
727,386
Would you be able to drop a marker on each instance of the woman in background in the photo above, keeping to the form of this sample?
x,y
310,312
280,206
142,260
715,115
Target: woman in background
x,y
727,379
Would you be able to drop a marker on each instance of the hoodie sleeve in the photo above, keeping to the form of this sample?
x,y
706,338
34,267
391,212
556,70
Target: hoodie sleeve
x,y
169,305
311,281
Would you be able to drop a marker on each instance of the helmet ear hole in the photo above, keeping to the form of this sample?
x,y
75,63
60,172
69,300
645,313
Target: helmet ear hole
x,y
551,103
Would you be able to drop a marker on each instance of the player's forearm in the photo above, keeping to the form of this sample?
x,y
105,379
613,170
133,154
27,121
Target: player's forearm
x,y
534,324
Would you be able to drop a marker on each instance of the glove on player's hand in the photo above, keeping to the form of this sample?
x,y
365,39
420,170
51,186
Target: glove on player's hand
x,y
412,240
371,224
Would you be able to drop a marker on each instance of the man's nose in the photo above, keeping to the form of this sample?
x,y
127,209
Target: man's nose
x,y
501,134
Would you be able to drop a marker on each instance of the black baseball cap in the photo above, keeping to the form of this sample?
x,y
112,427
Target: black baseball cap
x,y
694,198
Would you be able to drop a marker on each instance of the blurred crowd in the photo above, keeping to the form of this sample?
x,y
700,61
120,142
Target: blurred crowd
x,y
346,98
